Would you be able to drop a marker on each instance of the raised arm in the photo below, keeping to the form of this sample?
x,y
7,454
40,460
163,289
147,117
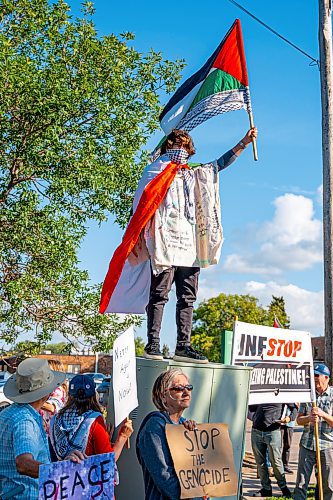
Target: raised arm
x,y
230,156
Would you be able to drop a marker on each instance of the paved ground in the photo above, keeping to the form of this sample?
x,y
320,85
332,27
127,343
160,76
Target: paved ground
x,y
251,483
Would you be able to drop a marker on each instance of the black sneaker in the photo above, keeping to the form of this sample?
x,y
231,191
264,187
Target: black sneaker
x,y
287,470
286,492
189,355
263,493
152,351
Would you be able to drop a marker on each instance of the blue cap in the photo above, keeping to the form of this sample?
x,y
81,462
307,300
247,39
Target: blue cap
x,y
82,387
321,369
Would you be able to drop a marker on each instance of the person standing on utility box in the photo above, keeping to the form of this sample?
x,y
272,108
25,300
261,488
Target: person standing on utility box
x,y
174,231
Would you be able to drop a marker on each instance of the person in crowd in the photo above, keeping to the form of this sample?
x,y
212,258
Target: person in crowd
x,y
80,425
56,400
308,416
24,444
172,396
266,436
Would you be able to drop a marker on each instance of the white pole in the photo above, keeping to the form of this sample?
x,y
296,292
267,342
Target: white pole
x,y
96,362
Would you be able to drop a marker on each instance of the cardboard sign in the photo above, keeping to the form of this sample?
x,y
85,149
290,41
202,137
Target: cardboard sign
x,y
92,478
125,396
281,360
203,460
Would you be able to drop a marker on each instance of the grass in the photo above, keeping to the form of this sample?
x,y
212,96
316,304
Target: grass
x,y
311,494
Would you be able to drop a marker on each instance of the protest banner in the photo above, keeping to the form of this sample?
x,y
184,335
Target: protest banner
x,y
281,360
203,460
92,478
125,397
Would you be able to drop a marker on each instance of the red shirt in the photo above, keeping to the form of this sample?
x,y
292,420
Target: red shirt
x,y
99,439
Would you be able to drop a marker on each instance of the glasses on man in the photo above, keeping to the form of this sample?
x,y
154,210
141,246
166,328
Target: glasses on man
x,y
181,388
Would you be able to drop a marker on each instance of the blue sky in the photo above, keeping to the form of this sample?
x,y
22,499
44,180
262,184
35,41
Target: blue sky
x,y
271,209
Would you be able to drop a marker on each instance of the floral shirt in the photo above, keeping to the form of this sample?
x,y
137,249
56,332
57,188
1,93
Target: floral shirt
x,y
57,399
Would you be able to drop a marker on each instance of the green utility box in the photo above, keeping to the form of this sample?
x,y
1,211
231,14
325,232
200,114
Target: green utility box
x,y
220,394
226,346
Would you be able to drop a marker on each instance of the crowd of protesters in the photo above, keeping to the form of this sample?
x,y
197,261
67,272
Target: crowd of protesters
x,y
49,421
53,420
271,438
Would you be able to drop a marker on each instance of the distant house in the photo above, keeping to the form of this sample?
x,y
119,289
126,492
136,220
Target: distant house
x,y
318,348
74,363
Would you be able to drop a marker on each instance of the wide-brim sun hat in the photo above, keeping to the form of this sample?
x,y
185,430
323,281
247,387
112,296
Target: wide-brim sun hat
x,y
32,381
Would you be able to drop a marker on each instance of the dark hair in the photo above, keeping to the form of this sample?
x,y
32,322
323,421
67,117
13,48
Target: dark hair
x,y
178,138
81,406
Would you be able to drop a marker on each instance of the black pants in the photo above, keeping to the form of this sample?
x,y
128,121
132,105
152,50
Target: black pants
x,y
286,439
186,281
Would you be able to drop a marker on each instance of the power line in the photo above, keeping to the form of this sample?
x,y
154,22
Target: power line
x,y
313,60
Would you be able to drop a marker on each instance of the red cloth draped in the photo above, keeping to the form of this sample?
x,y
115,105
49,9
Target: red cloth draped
x,y
150,200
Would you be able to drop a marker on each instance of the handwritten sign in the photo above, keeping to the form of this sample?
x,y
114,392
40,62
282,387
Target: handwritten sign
x,y
281,360
92,478
203,460
125,395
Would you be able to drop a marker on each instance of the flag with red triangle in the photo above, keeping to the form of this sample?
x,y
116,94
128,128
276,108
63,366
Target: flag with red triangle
x,y
276,323
221,85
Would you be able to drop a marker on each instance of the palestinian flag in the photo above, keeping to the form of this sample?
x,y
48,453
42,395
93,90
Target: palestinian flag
x,y
221,85
276,323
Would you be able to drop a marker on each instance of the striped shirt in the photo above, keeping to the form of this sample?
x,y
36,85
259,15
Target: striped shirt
x,y
325,403
21,431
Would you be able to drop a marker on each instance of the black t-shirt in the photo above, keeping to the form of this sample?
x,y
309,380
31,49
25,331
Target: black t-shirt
x,y
266,415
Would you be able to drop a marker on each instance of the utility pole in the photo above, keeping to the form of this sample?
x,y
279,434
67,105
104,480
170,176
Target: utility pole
x,y
325,47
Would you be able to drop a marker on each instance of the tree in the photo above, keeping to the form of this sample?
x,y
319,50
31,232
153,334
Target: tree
x,y
166,351
139,346
277,310
28,348
218,313
75,111
58,348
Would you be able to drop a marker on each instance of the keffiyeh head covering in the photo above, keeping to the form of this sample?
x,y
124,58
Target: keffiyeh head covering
x,y
178,156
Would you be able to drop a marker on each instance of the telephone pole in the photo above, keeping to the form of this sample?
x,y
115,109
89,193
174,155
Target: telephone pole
x,y
325,48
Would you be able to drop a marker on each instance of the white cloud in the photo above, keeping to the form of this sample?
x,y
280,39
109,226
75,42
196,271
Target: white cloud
x,y
305,308
293,221
292,240
320,195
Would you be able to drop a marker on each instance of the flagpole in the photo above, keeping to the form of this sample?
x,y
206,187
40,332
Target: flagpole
x,y
254,140
319,476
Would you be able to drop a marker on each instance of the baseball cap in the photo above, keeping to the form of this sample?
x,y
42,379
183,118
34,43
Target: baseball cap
x,y
82,387
321,369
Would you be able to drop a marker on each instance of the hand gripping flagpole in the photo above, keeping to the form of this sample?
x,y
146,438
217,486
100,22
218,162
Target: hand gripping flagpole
x,y
319,476
254,140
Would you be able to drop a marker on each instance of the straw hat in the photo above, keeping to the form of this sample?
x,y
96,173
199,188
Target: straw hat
x,y
32,381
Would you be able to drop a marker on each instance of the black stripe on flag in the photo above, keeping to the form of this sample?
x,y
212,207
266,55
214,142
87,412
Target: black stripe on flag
x,y
191,82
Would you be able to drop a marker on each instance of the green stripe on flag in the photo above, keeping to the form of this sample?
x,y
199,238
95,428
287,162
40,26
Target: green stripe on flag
x,y
217,81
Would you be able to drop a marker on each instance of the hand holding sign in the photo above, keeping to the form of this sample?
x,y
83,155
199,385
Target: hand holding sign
x,y
91,478
203,460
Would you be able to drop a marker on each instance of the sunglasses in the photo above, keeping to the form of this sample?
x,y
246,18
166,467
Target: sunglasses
x,y
181,388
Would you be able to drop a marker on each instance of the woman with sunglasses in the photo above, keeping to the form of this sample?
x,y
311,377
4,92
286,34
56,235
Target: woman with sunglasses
x,y
171,396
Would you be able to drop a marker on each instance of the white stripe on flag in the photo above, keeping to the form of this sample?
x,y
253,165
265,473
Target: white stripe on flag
x,y
179,110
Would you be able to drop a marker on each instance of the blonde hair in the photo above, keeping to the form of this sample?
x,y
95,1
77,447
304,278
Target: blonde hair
x,y
57,366
162,384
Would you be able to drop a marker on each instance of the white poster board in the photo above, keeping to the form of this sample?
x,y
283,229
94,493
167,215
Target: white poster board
x,y
281,360
125,396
